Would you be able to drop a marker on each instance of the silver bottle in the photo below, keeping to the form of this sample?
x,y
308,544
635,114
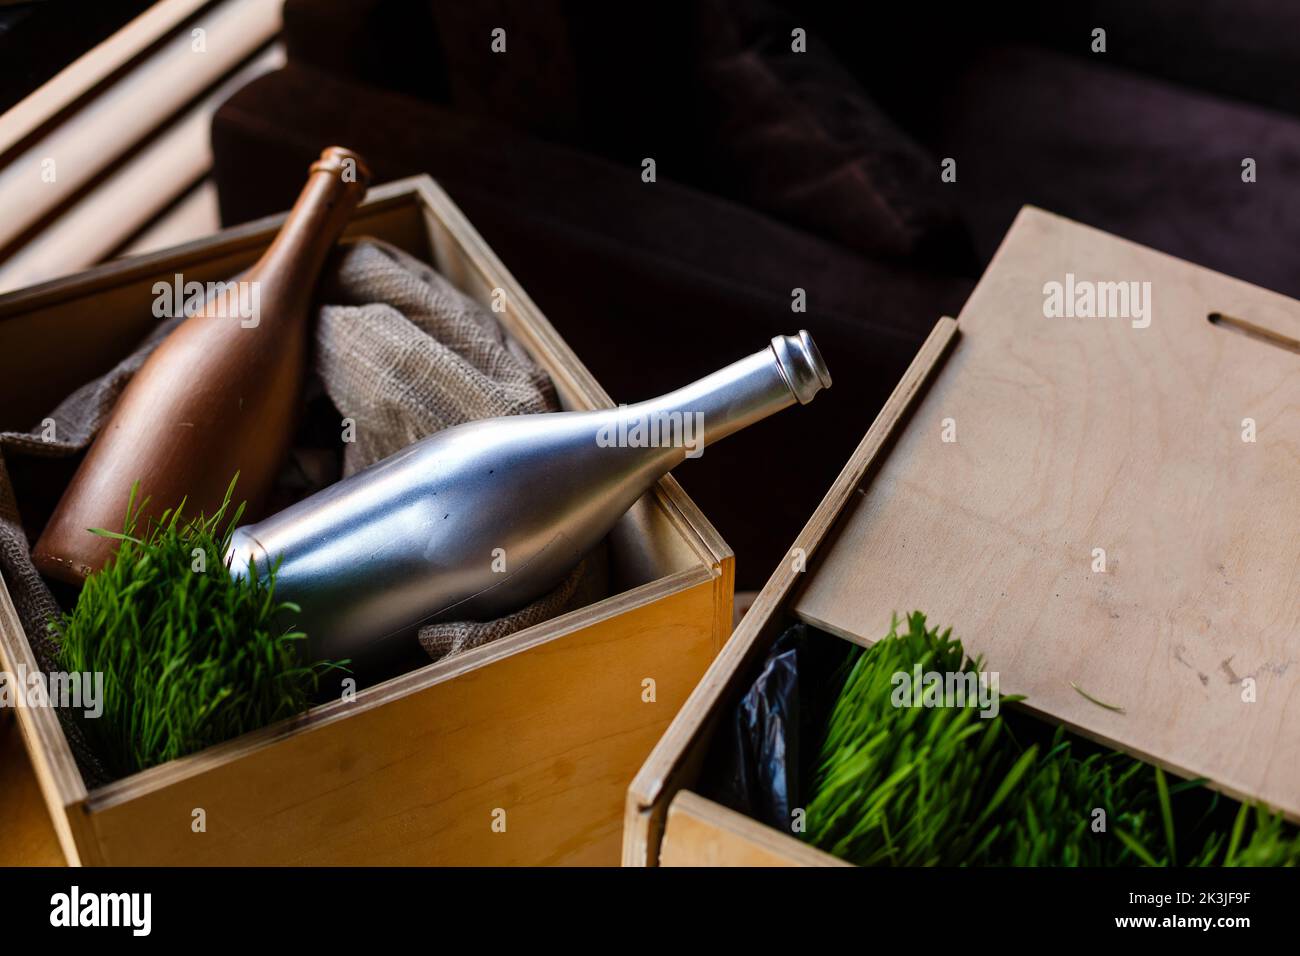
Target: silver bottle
x,y
478,520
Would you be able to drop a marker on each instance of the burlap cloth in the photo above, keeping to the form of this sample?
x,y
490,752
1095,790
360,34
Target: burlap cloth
x,y
402,353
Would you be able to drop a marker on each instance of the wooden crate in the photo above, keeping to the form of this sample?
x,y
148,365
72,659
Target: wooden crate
x,y
542,729
1072,434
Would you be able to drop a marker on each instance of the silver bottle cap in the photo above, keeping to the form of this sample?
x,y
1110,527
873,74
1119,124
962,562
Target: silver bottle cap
x,y
801,365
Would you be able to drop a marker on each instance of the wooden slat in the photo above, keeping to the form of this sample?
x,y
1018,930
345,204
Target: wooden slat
x,y
121,116
79,78
54,767
195,215
27,834
104,218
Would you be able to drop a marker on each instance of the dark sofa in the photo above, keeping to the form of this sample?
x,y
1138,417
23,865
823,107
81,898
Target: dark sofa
x,y
779,170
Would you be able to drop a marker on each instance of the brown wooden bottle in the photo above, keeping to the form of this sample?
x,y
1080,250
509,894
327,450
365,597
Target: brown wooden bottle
x,y
219,396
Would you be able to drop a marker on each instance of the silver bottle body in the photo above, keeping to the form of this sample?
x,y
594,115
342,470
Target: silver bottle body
x,y
478,520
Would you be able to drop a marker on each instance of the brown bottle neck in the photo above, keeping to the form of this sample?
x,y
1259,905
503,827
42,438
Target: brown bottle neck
x,y
296,255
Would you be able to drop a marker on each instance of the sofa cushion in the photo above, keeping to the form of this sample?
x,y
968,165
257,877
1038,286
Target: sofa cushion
x,y
1144,159
794,134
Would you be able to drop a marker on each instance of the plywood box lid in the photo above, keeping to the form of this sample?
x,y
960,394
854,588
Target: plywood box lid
x,y
1104,506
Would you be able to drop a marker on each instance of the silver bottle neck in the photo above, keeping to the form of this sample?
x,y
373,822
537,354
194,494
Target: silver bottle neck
x,y
789,370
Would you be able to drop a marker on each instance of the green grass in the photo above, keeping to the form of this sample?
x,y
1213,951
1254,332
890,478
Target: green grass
x,y
190,658
919,786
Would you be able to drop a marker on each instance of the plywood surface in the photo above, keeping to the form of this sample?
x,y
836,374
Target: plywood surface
x,y
522,762
1077,434
703,833
27,835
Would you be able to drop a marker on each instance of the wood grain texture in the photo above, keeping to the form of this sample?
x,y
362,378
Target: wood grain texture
x,y
129,110
676,760
700,832
194,215
27,835
52,764
548,723
80,78
130,195
414,776
1075,434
